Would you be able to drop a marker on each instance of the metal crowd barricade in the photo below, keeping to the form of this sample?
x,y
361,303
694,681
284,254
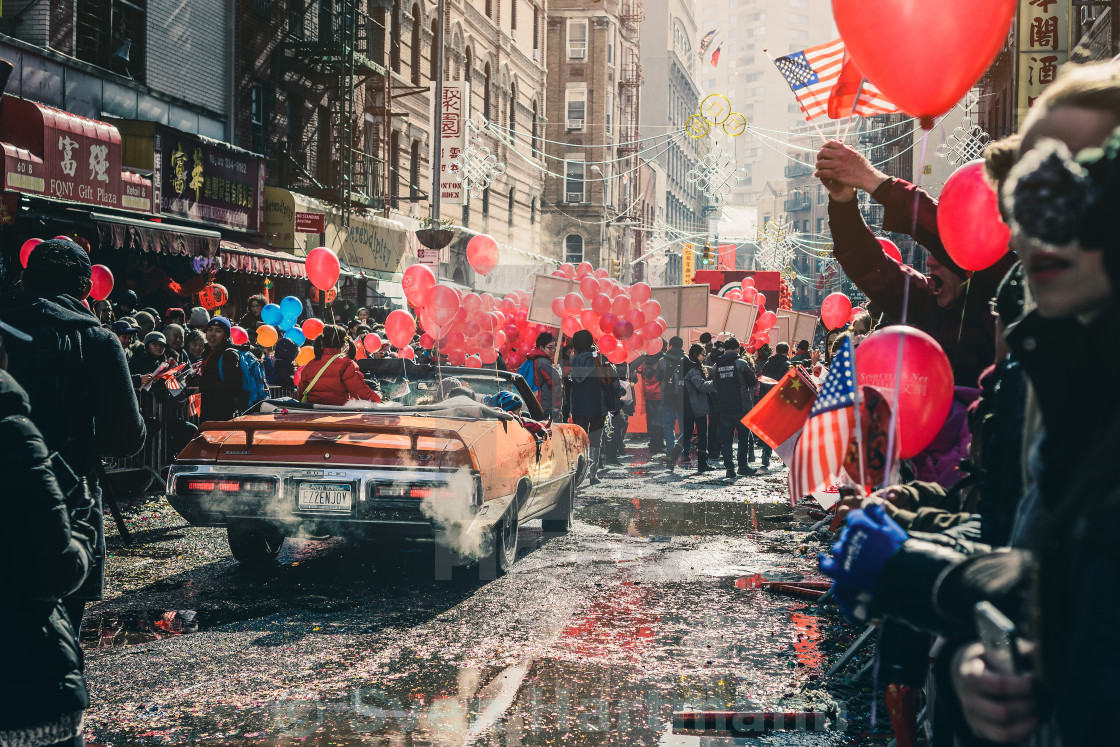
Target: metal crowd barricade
x,y
160,413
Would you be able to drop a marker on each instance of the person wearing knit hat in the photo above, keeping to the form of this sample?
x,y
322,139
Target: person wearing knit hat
x,y
220,378
199,318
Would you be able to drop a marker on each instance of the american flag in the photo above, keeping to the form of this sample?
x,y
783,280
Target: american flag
x,y
705,41
818,458
814,74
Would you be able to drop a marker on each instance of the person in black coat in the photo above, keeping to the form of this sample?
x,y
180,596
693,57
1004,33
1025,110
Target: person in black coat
x,y
220,380
76,378
44,529
774,368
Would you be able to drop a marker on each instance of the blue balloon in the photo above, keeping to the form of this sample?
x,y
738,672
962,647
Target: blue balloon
x,y
286,324
271,314
295,334
291,307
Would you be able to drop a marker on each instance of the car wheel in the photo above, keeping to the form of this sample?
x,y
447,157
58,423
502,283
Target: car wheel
x,y
255,545
559,520
503,551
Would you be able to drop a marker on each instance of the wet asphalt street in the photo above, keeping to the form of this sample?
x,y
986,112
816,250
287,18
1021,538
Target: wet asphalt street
x,y
593,638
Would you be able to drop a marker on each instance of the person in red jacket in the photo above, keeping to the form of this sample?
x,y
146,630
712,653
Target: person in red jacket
x,y
950,304
333,378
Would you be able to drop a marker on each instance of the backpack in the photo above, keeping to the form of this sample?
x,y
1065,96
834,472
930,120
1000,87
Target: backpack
x,y
528,371
651,387
254,386
672,380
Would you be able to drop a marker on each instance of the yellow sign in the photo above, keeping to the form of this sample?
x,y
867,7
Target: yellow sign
x,y
1043,46
688,264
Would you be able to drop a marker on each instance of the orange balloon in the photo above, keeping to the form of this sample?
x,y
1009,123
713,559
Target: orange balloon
x,y
305,355
267,335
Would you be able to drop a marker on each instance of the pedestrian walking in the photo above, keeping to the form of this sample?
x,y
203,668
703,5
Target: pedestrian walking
x,y
713,349
76,379
644,375
590,380
775,368
546,377
695,412
735,385
670,375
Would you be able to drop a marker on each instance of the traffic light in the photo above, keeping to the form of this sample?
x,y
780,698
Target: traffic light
x,y
706,257
616,268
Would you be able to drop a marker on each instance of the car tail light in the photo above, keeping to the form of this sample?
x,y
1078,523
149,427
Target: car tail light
x,y
418,492
227,486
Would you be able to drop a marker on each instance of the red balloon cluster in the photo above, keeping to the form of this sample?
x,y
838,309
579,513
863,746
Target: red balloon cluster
x,y
785,295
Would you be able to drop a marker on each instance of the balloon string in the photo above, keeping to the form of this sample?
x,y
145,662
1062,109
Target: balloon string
x,y
892,431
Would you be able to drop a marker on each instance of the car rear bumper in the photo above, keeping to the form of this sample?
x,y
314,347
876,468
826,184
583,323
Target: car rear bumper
x,y
271,496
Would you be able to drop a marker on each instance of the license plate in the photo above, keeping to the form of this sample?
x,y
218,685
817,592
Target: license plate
x,y
335,497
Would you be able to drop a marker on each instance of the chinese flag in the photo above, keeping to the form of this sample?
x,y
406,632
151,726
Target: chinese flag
x,y
715,55
784,409
847,88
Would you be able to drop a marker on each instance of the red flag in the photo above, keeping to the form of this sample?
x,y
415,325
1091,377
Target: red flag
x,y
851,87
715,55
194,405
782,411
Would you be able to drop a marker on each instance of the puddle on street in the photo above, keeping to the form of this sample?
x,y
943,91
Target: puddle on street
x,y
656,518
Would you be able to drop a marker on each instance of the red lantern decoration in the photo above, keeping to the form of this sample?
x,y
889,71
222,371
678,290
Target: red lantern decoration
x,y
213,296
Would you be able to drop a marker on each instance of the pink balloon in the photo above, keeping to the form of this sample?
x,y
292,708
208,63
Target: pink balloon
x,y
968,219
767,320
407,352
558,306
760,299
488,302
601,273
573,303
635,317
488,356
584,268
454,340
623,330
238,335
634,343
640,292
588,319
474,361
662,324
927,396
749,293
735,294
570,326
372,342
652,309
456,357
651,329
443,303
607,322
25,250
601,304
482,254
568,271
891,249
589,287
653,347
621,304
499,339
322,267
607,343
470,329
511,331
747,283
835,310
485,340
101,283
399,328
472,304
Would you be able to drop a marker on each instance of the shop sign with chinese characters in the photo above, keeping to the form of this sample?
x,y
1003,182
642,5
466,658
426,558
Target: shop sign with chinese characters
x,y
208,181
56,154
1043,46
688,264
452,116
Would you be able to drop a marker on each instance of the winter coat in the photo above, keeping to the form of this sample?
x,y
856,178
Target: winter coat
x,y
775,367
696,389
341,382
670,373
547,379
282,374
220,384
42,679
735,383
588,389
82,400
143,363
966,329
643,373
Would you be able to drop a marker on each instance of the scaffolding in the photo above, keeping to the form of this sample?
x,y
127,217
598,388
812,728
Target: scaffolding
x,y
338,52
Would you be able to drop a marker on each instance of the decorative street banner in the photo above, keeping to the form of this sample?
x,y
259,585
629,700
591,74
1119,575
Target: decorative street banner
x,y
451,117
688,264
725,256
1043,46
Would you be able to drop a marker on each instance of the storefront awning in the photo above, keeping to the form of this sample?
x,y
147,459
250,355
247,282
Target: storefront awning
x,y
126,233
260,261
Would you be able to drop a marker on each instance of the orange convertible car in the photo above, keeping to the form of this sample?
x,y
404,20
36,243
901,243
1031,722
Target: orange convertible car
x,y
431,462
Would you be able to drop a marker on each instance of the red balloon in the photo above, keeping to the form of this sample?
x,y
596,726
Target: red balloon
x,y
968,219
749,292
511,331
635,317
399,328
456,357
607,343
474,361
570,326
417,282
662,325
623,330
499,339
760,299
312,328
101,283
558,307
573,303
588,319
735,294
25,250
454,340
601,304
472,303
443,304
621,304
927,394
835,310
925,80
652,309
651,329
607,322
568,271
372,342
485,340
618,355
322,268
747,283
488,356
426,341
767,320
407,352
601,273
891,249
589,287
238,335
640,292
482,254
584,268
653,347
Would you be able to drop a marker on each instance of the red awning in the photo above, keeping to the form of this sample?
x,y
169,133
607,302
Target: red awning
x,y
260,261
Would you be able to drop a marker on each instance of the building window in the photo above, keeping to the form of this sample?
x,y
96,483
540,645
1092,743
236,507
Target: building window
x,y
533,212
610,111
536,27
576,108
111,34
257,117
415,45
434,61
820,226
489,8
610,43
511,207
485,205
486,112
822,194
469,61
323,165
394,166
577,39
573,182
414,172
533,140
395,35
573,248
296,27
513,15
513,113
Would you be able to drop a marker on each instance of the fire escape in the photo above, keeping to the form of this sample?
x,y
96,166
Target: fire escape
x,y
336,54
631,14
